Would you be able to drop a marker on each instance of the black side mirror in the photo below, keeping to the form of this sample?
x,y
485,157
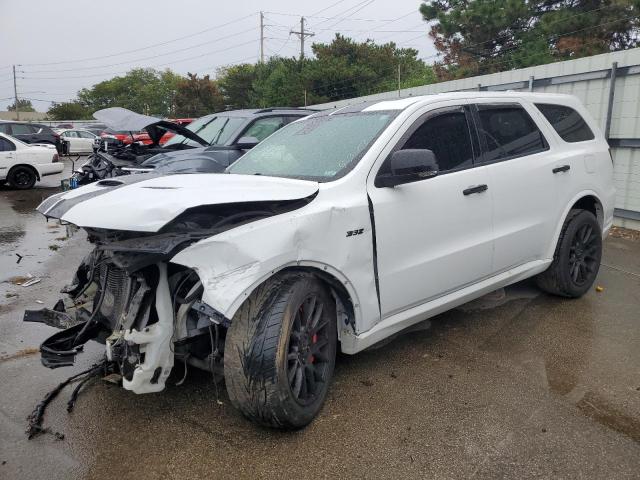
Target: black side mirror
x,y
408,166
247,143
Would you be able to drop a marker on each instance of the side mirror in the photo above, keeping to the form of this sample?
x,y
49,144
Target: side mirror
x,y
408,166
247,143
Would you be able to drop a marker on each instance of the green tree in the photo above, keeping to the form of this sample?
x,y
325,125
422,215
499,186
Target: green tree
x,y
484,36
236,85
68,111
196,97
25,106
345,68
142,90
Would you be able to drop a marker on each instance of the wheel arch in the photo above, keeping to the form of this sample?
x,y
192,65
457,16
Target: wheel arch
x,y
347,304
585,200
29,166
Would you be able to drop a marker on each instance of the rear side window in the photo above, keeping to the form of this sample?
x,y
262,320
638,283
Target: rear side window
x,y
21,129
6,145
447,136
567,122
4,128
509,132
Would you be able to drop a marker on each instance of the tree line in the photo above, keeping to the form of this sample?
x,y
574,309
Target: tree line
x,y
341,69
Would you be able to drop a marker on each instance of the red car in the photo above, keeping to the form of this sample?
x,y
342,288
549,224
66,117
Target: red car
x,y
124,136
146,140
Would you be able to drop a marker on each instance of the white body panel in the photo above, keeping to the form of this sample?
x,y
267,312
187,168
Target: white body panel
x,y
164,198
37,156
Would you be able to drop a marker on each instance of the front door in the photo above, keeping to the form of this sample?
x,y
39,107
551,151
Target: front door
x,y
434,236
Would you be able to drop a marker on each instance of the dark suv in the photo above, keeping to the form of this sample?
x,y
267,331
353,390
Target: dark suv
x,y
229,135
31,133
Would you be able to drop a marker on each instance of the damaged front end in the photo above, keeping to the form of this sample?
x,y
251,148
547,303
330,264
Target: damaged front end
x,y
147,311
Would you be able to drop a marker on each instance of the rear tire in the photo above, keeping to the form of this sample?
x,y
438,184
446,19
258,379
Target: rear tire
x,y
577,258
22,177
280,351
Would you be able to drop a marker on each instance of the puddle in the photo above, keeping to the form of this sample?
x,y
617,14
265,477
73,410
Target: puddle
x,y
24,233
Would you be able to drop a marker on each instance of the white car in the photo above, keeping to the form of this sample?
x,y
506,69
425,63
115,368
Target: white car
x,y
337,231
80,141
22,164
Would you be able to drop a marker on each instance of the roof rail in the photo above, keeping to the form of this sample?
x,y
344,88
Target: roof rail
x,y
272,109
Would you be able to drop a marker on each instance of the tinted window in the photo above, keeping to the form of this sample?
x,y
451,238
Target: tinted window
x,y
85,134
21,129
263,127
4,128
509,132
567,122
447,136
6,145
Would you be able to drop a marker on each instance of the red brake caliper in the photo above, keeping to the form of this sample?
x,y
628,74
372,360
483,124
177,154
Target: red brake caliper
x,y
314,339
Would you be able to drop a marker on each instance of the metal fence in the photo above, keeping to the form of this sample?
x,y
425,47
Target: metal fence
x,y
608,85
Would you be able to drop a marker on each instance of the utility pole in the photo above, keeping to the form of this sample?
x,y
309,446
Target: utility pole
x,y
399,95
302,34
261,37
15,93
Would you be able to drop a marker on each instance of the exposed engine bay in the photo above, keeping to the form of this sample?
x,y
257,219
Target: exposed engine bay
x,y
147,311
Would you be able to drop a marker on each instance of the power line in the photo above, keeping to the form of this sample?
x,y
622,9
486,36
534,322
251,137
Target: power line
x,y
151,66
144,58
166,42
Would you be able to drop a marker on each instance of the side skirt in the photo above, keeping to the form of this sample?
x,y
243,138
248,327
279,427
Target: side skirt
x,y
419,313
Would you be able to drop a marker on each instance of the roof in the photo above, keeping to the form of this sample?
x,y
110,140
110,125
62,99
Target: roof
x,y
403,103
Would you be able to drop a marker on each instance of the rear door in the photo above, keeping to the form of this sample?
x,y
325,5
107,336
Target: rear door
x,y
86,140
519,161
433,236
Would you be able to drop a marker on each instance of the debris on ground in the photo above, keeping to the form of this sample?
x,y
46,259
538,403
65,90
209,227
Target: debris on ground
x,y
54,247
39,302
36,417
626,233
20,257
61,239
19,280
10,295
20,353
33,281
599,289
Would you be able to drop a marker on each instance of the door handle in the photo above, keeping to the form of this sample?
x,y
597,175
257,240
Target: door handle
x,y
564,168
475,189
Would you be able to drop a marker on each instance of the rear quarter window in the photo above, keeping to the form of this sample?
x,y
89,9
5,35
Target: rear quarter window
x,y
567,122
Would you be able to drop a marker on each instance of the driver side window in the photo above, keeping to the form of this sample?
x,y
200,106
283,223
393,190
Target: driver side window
x,y
447,135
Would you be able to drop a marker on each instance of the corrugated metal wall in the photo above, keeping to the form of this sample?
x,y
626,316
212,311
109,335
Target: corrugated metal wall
x,y
589,79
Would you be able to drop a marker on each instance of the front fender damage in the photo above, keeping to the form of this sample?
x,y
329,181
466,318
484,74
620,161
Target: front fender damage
x,y
145,309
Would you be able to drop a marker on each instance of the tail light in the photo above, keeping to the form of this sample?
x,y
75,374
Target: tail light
x,y
57,135
55,158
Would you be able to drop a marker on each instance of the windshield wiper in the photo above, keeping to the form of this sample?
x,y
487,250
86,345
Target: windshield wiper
x,y
213,142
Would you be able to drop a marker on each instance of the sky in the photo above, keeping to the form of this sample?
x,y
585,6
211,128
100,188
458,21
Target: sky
x,y
61,46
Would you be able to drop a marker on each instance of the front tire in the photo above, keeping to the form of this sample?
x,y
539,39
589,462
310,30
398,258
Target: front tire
x,y
280,351
22,178
577,258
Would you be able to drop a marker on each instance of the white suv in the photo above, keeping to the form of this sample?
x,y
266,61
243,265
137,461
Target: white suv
x,y
337,231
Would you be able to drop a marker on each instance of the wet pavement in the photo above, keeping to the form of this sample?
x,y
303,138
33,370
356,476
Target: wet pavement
x,y
517,384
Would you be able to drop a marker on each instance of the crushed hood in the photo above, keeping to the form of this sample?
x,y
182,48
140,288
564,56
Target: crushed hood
x,y
146,203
